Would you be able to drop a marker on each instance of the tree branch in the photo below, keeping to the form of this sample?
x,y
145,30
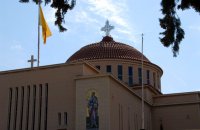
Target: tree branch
x,y
61,6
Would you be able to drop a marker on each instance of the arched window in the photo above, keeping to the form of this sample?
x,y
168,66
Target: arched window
x,y
130,75
140,75
109,69
120,72
154,79
148,77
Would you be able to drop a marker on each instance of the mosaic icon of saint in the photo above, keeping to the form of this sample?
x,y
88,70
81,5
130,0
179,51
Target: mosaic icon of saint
x,y
93,110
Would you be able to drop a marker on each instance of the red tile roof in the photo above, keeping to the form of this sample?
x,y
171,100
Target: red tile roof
x,y
107,49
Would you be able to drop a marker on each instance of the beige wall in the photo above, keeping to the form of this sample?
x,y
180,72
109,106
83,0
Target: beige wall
x,y
176,98
177,111
61,94
119,106
149,93
177,117
135,64
126,109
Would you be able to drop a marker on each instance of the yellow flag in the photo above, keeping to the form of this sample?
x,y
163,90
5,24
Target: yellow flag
x,y
45,29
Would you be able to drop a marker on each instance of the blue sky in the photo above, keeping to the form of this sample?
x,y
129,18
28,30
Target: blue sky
x,y
18,36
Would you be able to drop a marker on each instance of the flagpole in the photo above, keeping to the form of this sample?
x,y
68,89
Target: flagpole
x,y
38,63
142,87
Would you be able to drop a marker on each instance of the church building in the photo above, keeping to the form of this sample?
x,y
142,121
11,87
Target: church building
x,y
98,88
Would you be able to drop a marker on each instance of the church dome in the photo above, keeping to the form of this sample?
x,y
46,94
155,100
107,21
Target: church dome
x,y
107,49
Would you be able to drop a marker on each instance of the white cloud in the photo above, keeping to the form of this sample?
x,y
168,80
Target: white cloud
x,y
92,12
49,14
195,28
109,9
84,17
16,46
113,10
104,7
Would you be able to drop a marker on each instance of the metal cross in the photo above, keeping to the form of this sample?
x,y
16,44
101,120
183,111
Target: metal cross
x,y
32,60
107,28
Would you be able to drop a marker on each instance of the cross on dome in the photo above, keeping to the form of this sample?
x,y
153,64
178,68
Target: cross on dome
x,y
107,28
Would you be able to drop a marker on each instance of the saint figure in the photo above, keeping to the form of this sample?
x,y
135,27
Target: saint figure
x,y
93,110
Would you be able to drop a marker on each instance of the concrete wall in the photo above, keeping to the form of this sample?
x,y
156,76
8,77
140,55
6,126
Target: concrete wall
x,y
61,96
177,111
176,98
60,89
176,117
135,64
126,109
99,84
